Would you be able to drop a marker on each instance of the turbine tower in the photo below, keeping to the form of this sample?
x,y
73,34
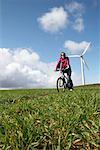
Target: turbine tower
x,y
83,62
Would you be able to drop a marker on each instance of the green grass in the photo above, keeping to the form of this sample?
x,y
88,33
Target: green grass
x,y
44,119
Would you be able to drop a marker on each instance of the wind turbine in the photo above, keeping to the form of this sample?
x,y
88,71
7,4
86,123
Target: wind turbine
x,y
83,62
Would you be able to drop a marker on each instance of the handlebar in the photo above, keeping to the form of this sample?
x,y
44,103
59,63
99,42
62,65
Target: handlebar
x,y
59,70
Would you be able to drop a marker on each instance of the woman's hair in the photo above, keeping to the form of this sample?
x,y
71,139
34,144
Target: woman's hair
x,y
63,53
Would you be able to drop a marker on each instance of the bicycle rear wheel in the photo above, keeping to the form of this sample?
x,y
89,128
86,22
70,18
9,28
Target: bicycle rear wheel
x,y
60,84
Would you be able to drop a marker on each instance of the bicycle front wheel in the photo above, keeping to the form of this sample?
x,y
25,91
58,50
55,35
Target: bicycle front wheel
x,y
60,84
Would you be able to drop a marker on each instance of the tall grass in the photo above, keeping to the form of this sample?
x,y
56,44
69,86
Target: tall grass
x,y
45,119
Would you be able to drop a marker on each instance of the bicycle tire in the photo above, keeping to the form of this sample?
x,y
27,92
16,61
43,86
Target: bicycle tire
x,y
57,84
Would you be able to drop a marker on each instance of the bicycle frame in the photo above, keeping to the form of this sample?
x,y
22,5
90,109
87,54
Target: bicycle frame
x,y
65,79
63,75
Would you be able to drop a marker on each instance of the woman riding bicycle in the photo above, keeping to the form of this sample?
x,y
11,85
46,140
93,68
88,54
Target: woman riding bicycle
x,y
64,66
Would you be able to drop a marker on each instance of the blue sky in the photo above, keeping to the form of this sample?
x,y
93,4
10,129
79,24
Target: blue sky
x,y
23,24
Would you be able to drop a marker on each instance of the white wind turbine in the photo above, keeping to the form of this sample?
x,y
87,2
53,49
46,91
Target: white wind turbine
x,y
83,62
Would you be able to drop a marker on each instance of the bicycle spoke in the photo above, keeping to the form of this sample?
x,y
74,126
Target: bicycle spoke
x,y
60,84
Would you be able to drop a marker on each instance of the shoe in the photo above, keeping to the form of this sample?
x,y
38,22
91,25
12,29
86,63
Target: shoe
x,y
71,89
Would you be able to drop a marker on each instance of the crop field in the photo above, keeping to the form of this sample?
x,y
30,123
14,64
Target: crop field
x,y
43,119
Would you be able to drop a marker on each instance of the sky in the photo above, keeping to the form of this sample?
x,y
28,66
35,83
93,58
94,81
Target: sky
x,y
33,33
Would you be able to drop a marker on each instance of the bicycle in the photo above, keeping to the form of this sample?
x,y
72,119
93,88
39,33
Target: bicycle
x,y
63,82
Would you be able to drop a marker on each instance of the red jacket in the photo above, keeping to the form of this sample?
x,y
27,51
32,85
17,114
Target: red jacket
x,y
63,63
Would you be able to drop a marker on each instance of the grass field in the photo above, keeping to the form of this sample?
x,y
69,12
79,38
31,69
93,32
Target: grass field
x,y
42,119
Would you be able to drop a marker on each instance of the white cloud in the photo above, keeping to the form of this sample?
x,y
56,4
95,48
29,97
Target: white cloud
x,y
59,18
76,10
22,68
74,47
78,24
55,20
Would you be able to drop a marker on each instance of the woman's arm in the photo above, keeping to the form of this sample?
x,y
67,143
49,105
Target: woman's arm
x,y
58,64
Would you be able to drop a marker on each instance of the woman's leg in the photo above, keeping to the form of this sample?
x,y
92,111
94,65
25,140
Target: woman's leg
x,y
68,71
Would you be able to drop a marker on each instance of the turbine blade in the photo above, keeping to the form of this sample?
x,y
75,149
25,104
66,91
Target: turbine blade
x,y
86,49
74,56
85,63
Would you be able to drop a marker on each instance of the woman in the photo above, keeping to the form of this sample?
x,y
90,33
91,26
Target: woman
x,y
64,66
